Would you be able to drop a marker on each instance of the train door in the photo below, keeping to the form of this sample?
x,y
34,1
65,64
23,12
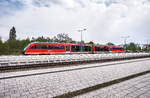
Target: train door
x,y
110,49
92,49
67,48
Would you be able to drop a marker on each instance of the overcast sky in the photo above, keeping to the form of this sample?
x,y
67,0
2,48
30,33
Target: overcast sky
x,y
105,20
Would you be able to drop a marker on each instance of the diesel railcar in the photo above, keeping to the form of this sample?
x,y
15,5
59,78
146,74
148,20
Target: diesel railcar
x,y
62,48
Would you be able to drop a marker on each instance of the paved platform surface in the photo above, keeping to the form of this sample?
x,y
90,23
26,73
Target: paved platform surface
x,y
52,84
135,88
66,68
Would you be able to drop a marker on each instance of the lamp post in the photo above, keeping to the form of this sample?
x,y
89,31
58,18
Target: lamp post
x,y
81,30
125,39
147,41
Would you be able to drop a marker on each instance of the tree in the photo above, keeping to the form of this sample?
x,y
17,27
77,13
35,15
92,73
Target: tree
x,y
133,47
5,49
73,41
146,47
41,39
109,43
12,33
91,42
1,41
13,46
49,39
1,47
23,44
62,37
138,48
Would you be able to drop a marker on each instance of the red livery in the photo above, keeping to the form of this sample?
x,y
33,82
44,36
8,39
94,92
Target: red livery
x,y
61,48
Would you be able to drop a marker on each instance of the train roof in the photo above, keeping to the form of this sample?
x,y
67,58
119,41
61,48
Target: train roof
x,y
61,43
75,44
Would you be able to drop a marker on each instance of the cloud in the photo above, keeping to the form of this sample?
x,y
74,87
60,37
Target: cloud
x,y
107,2
68,4
8,7
105,20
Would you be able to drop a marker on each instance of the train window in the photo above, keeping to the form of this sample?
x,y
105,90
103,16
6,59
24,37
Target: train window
x,y
55,46
106,49
36,47
114,48
81,48
50,46
101,49
76,48
61,46
44,47
86,48
47,46
117,48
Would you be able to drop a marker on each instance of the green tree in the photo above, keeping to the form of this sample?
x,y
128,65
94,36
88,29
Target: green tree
x,y
49,39
12,33
73,41
13,46
133,47
22,44
91,42
1,41
62,37
146,47
139,48
41,39
109,43
4,49
1,47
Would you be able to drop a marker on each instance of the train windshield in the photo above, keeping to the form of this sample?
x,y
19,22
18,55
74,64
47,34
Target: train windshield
x,y
27,46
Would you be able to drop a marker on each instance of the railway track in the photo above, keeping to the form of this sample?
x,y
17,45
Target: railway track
x,y
28,62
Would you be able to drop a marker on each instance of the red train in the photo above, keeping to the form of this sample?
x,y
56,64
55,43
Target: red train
x,y
56,48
